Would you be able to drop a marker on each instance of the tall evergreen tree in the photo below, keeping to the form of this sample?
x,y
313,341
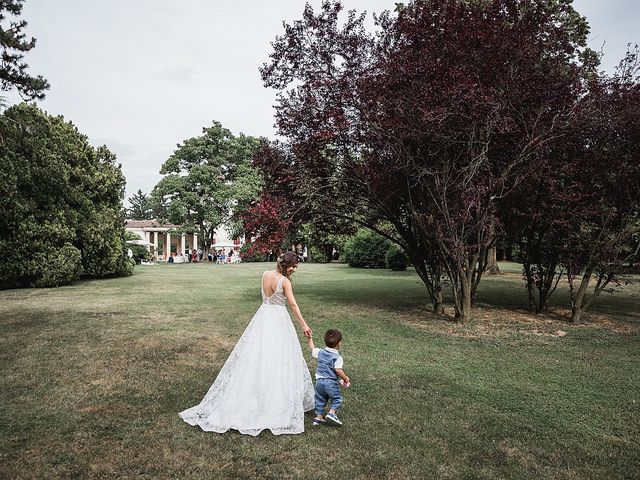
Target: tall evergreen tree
x,y
140,206
13,46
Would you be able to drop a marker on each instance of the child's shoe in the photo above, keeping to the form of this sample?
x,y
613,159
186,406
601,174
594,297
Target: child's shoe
x,y
318,421
334,418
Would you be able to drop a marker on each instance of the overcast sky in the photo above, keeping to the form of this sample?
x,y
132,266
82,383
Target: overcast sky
x,y
143,75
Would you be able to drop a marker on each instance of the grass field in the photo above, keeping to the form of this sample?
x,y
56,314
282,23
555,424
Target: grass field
x,y
93,376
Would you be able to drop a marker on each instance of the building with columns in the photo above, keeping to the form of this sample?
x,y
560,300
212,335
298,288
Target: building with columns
x,y
161,243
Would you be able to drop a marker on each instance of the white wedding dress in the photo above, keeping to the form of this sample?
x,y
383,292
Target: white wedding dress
x,y
265,382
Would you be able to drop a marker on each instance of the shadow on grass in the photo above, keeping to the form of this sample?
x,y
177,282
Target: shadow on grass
x,y
404,292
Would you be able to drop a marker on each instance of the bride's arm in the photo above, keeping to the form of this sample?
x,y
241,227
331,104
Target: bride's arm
x,y
288,291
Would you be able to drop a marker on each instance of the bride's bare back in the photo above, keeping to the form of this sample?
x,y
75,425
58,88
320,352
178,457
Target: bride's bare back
x,y
270,281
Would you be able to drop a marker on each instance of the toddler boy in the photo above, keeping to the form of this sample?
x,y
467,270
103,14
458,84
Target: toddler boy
x,y
329,376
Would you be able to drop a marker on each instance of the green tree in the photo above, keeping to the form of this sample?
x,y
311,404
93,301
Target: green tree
x,y
141,207
366,249
322,238
244,191
61,202
206,180
13,45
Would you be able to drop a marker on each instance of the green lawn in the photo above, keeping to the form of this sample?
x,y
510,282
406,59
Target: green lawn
x,y
94,374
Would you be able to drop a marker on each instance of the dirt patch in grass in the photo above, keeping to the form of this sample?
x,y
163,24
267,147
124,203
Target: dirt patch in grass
x,y
599,320
101,409
509,450
501,322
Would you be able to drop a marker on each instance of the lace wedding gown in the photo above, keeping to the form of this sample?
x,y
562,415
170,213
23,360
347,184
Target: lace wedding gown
x,y
265,382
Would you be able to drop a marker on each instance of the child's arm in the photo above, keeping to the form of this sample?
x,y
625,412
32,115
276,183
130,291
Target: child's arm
x,y
342,375
312,347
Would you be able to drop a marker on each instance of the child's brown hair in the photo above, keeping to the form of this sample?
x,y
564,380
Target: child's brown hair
x,y
332,338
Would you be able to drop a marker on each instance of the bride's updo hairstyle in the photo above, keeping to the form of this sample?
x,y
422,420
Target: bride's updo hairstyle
x,y
286,260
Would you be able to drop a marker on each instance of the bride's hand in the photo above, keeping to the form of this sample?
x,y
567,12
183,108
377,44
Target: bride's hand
x,y
307,331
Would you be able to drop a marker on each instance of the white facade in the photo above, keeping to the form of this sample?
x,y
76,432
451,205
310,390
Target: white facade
x,y
161,244
222,240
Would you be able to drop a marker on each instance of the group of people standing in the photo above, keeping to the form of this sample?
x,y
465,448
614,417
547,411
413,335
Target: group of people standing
x,y
195,256
220,257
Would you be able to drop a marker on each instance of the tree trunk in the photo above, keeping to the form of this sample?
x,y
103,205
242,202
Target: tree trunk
x,y
576,314
528,278
492,262
547,288
462,297
539,279
578,300
533,306
463,306
431,280
543,299
436,300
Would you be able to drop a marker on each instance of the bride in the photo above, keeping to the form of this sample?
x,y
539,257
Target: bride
x,y
265,382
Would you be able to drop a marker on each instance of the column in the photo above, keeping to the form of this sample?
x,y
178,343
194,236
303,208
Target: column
x,y
155,243
167,251
147,239
184,237
195,241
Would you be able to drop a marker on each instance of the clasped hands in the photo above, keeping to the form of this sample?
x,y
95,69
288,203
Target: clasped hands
x,y
306,330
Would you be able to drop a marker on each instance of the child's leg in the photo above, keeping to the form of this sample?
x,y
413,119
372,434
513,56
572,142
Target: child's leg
x,y
336,401
336,397
320,399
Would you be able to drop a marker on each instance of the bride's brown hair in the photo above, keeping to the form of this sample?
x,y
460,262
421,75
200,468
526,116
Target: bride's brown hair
x,y
286,260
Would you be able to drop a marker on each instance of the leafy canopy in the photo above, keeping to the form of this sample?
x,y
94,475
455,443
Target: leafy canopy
x,y
207,179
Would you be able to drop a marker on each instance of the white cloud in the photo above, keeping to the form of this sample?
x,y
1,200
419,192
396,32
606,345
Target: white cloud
x,y
177,74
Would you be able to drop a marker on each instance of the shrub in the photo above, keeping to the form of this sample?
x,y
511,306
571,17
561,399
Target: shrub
x,y
396,259
366,249
319,255
250,254
62,266
140,253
